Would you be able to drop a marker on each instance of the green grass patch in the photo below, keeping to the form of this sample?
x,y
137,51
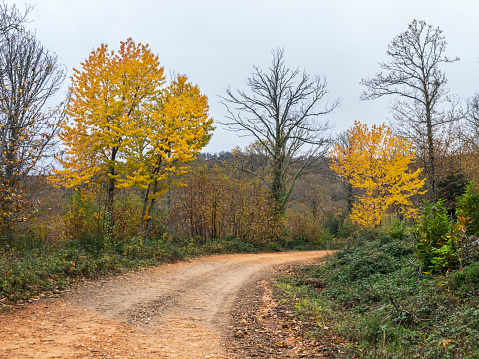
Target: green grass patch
x,y
375,294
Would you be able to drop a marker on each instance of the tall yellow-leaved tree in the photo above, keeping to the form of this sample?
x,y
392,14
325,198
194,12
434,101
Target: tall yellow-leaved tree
x,y
377,162
175,130
122,129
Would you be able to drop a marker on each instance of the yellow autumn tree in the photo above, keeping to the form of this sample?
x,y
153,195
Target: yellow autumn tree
x,y
175,130
124,128
377,162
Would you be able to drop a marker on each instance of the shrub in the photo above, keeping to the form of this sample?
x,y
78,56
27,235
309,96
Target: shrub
x,y
468,206
302,224
332,223
447,255
346,228
396,228
469,278
430,235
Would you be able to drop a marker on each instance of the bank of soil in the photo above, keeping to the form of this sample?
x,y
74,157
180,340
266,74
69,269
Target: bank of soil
x,y
194,309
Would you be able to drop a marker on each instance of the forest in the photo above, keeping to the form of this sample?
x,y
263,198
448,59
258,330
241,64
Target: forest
x,y
113,177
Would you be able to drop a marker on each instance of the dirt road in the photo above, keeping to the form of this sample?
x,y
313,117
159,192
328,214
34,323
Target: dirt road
x,y
180,310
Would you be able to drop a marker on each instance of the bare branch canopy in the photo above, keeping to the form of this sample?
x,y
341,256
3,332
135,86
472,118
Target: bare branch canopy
x,y
414,78
281,112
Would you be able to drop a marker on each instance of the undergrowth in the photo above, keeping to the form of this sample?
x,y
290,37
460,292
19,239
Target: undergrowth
x,y
375,295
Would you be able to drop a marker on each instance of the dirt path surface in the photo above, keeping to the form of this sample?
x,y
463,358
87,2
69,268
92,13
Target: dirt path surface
x,y
181,310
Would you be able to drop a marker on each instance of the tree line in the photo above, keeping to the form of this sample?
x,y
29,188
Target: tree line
x,y
126,132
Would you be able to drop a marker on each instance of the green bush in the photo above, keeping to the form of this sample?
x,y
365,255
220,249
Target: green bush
x,y
397,229
467,279
332,223
230,244
468,206
346,228
274,247
430,235
447,255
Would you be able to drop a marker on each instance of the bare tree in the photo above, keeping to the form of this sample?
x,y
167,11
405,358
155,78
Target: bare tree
x,y
413,75
29,77
281,114
472,120
347,189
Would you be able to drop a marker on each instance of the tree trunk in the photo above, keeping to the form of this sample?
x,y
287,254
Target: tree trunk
x,y
168,201
349,194
109,221
150,209
143,210
430,164
277,182
109,206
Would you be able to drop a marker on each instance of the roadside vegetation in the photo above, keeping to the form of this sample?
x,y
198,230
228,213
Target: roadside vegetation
x,y
391,293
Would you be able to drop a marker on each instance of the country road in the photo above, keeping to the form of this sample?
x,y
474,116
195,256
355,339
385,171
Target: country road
x,y
179,310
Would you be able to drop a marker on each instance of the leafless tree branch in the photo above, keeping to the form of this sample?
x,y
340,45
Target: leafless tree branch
x,y
281,112
413,76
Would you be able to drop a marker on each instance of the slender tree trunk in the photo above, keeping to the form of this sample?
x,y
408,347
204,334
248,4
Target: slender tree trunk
x,y
277,183
168,201
146,211
11,157
150,210
349,194
109,221
9,181
143,210
3,144
214,215
430,164
109,205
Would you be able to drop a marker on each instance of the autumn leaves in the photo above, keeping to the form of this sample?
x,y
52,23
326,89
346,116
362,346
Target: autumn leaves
x,y
128,128
377,164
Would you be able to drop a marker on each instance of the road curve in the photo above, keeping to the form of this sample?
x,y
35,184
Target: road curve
x,y
179,310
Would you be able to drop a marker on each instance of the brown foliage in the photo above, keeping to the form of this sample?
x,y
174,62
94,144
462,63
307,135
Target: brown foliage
x,y
211,205
307,209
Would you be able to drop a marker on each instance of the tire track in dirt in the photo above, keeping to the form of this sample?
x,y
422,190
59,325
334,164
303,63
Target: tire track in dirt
x,y
179,310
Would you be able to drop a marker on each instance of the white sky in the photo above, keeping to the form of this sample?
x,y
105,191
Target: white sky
x,y
217,42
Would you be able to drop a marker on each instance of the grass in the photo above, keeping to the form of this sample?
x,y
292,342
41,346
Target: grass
x,y
374,294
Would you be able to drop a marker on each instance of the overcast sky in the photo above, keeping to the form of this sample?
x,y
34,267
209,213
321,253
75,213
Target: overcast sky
x,y
217,42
